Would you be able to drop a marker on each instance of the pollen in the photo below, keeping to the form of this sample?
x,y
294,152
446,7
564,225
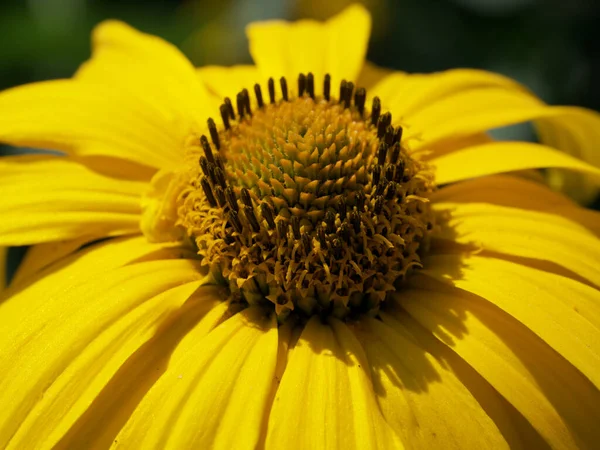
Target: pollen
x,y
309,204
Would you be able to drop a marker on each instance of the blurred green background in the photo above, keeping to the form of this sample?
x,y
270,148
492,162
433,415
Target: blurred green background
x,y
550,45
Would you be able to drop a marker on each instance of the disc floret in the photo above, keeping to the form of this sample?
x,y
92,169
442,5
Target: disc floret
x,y
307,203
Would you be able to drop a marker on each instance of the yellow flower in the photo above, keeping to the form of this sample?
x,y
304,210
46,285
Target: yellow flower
x,y
319,266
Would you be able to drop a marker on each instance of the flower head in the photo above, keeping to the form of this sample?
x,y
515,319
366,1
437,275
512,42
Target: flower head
x,y
310,252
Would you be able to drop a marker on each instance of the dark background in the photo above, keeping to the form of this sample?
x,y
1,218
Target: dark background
x,y
552,46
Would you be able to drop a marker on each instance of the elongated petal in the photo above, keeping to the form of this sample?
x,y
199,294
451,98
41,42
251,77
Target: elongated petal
x,y
81,266
476,105
550,393
511,191
47,199
408,95
515,428
337,47
577,132
101,363
214,393
224,82
326,399
550,305
499,157
86,119
420,398
149,69
42,255
48,345
519,232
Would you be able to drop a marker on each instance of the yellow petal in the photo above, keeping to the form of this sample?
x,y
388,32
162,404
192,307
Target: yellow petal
x,y
224,82
42,255
56,274
87,119
371,75
47,199
214,394
476,108
562,312
148,69
152,329
498,157
424,401
59,352
337,47
511,191
520,232
326,399
576,131
408,96
551,394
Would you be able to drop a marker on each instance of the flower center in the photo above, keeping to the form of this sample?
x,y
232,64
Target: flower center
x,y
309,204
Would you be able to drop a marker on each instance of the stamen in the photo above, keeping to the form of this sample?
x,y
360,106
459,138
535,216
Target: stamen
x,y
375,111
354,217
310,85
384,121
259,97
344,232
208,192
271,90
224,109
359,100
246,198
246,96
301,84
395,153
220,177
207,149
204,165
231,200
229,108
282,229
376,174
214,134
306,243
349,91
330,221
382,152
295,223
240,105
389,172
342,208
321,237
378,207
343,91
389,135
360,201
284,88
267,214
391,190
398,135
234,220
220,194
327,87
219,163
249,212
399,171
